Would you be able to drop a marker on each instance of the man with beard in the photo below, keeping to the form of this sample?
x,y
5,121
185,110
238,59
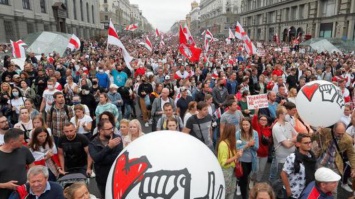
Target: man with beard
x,y
104,149
299,168
4,127
119,76
73,151
14,159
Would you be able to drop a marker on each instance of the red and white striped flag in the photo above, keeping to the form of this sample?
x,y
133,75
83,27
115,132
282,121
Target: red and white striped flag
x,y
162,43
209,35
112,39
217,113
74,43
132,27
18,50
157,33
230,34
148,44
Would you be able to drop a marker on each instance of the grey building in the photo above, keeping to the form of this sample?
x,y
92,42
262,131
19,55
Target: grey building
x,y
262,19
21,17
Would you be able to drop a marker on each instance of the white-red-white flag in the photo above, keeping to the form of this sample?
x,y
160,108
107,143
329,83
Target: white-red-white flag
x,y
203,33
148,44
74,43
112,39
18,50
209,35
186,48
162,43
190,40
132,27
157,33
239,31
249,46
230,34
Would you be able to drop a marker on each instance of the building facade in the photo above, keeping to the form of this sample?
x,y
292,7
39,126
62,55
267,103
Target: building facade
x,y
194,19
21,17
219,15
262,19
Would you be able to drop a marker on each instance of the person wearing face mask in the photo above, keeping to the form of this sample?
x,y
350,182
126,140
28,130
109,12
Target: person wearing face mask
x,y
116,99
47,97
88,99
104,149
77,101
103,79
15,103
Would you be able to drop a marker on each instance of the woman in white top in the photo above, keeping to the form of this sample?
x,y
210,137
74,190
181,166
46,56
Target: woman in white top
x,y
16,102
135,131
292,95
25,123
211,106
191,110
124,131
81,121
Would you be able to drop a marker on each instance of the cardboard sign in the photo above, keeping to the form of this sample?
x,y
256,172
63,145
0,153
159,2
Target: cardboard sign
x,y
286,49
257,101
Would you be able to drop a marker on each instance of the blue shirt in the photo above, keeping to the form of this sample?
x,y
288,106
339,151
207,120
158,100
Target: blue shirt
x,y
119,78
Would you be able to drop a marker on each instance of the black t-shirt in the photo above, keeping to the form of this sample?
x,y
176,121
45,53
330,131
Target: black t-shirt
x,y
73,150
183,104
13,167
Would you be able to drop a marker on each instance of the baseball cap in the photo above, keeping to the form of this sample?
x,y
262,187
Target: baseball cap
x,y
16,76
167,77
324,174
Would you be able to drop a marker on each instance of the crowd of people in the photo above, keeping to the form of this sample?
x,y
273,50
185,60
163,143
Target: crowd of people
x,y
75,113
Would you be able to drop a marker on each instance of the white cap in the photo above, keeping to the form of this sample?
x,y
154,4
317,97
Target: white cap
x,y
167,77
324,174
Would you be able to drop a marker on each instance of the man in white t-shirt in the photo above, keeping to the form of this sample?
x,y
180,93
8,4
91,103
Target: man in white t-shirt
x,y
4,126
47,99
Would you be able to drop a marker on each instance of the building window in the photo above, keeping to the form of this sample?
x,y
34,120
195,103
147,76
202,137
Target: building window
x,y
287,14
47,27
105,1
87,12
272,17
5,2
106,9
42,4
9,29
81,10
26,4
93,14
294,13
329,8
74,10
301,12
30,28
326,30
106,18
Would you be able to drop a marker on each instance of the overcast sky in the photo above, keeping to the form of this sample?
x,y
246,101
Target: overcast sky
x,y
162,14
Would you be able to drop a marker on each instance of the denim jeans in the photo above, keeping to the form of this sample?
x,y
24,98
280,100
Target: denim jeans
x,y
127,111
275,170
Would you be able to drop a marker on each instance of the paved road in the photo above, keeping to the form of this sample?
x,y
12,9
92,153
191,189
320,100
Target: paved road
x,y
93,189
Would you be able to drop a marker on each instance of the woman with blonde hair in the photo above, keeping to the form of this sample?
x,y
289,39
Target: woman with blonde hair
x,y
124,131
78,190
262,191
191,110
227,156
135,130
292,94
81,121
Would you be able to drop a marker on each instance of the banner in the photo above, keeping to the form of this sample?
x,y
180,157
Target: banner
x,y
257,101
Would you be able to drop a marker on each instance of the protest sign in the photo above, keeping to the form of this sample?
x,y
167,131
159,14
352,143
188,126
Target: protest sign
x,y
257,101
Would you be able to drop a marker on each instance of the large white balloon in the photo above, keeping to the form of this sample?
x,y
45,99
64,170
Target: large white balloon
x,y
166,164
320,103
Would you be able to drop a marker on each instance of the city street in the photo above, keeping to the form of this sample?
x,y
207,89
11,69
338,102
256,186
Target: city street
x,y
93,189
